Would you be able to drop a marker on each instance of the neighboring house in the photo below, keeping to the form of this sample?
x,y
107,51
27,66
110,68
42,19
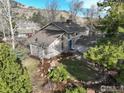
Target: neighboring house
x,y
26,28
55,38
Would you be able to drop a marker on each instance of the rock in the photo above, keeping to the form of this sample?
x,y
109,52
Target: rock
x,y
52,64
65,82
49,86
42,75
90,90
38,70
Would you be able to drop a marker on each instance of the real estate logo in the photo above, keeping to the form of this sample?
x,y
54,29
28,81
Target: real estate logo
x,y
119,89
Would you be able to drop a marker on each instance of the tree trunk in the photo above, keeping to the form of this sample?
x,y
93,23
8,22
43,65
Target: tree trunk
x,y
4,34
10,23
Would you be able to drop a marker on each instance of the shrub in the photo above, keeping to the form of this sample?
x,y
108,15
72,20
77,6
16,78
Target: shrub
x,y
58,74
13,78
76,90
106,54
21,53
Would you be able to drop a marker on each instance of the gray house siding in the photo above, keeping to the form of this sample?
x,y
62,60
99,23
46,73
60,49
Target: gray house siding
x,y
55,48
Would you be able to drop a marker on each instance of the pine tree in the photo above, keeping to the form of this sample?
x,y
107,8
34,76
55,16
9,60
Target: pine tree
x,y
13,78
114,18
106,54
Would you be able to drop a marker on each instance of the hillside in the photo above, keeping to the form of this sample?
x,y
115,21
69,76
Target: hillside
x,y
22,15
22,11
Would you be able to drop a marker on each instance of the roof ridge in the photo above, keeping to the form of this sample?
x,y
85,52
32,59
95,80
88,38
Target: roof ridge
x,y
60,27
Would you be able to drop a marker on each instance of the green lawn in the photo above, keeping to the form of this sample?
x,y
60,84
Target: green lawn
x,y
120,78
79,70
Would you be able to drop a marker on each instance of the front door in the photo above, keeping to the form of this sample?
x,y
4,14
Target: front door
x,y
70,46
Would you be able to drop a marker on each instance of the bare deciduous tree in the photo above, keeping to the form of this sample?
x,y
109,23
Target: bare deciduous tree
x,y
6,14
92,18
76,6
2,25
51,8
92,11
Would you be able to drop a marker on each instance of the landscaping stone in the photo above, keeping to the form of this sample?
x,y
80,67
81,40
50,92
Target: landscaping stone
x,y
49,86
90,90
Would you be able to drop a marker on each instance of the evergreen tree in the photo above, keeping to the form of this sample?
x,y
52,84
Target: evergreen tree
x,y
13,78
38,18
106,54
114,18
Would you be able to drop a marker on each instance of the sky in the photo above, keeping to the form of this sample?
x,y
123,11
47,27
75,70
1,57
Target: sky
x,y
62,3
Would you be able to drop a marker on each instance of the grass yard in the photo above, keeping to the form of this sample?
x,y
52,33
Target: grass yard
x,y
120,78
79,70
31,64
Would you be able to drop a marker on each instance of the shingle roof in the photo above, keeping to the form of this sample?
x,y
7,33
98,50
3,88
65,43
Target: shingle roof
x,y
52,31
68,27
43,37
